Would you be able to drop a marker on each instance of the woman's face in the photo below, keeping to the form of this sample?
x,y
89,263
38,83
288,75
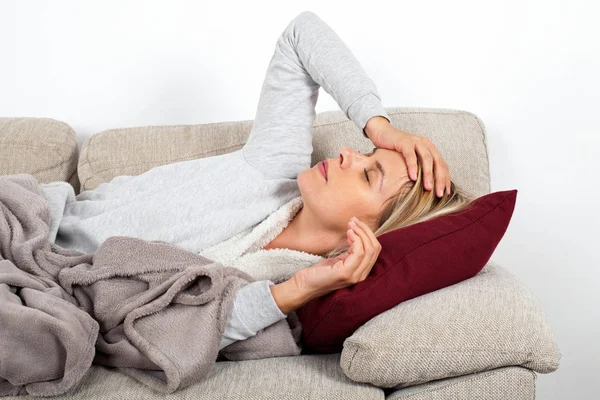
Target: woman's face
x,y
347,192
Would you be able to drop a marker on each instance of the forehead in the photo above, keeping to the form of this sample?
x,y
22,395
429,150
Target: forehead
x,y
393,156
395,167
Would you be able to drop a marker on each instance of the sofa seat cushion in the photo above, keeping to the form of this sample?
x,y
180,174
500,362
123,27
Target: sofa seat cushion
x,y
301,377
485,322
514,383
43,147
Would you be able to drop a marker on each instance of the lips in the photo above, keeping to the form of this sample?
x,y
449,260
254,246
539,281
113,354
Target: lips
x,y
323,168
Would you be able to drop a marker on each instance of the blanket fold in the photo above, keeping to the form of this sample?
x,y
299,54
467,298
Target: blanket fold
x,y
149,309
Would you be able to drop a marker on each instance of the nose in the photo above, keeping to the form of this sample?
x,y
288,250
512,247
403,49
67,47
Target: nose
x,y
348,156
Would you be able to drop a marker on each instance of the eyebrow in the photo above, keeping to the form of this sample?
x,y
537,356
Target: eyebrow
x,y
380,168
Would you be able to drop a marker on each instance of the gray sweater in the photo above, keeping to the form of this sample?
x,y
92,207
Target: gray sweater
x,y
198,203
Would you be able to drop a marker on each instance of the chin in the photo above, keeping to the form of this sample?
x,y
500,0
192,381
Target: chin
x,y
305,183
310,190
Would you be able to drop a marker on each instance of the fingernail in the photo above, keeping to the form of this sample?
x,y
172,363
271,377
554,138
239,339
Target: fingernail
x,y
354,219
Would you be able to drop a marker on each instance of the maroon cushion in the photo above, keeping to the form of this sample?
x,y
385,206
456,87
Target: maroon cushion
x,y
413,261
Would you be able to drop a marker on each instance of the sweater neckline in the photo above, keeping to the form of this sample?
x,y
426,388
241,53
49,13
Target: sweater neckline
x,y
273,225
251,241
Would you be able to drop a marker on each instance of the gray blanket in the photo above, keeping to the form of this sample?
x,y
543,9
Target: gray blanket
x,y
151,310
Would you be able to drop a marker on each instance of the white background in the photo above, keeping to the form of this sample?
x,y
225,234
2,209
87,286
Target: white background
x,y
529,69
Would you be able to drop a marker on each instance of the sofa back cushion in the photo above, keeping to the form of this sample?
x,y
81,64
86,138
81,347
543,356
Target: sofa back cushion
x,y
43,147
458,135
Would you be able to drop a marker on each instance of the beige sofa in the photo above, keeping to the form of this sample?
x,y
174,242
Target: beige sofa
x,y
484,338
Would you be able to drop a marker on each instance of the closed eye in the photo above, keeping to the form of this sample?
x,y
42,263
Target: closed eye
x,y
366,173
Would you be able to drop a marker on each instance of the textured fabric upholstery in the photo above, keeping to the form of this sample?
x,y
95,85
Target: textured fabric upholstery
x,y
300,377
303,378
489,321
508,383
460,137
132,151
42,147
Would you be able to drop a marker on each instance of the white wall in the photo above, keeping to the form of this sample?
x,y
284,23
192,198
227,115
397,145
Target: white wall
x,y
529,69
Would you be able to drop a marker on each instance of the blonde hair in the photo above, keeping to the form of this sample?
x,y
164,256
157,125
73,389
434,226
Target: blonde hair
x,y
412,204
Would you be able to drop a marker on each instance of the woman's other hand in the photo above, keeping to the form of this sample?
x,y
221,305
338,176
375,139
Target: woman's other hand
x,y
384,135
349,268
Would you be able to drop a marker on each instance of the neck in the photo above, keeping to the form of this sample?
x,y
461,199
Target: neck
x,y
305,234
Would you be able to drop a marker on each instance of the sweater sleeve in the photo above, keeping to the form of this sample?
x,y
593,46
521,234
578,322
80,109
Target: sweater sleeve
x,y
253,310
57,194
308,55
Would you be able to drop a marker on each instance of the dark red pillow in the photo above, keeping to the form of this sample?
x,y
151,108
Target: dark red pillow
x,y
413,261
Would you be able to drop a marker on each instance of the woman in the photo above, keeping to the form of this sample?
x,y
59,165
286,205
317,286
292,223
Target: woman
x,y
264,199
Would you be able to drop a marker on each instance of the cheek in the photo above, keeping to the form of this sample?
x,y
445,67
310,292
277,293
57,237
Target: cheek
x,y
351,198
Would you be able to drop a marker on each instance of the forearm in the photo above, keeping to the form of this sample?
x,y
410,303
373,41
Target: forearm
x,y
334,67
253,310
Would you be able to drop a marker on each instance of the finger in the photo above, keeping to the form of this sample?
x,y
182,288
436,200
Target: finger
x,y
338,262
365,230
426,164
350,236
408,151
369,249
342,256
441,176
374,247
440,169
448,183
354,258
357,245
351,240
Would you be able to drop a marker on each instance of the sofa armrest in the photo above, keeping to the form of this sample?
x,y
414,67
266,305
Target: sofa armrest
x,y
43,147
485,322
